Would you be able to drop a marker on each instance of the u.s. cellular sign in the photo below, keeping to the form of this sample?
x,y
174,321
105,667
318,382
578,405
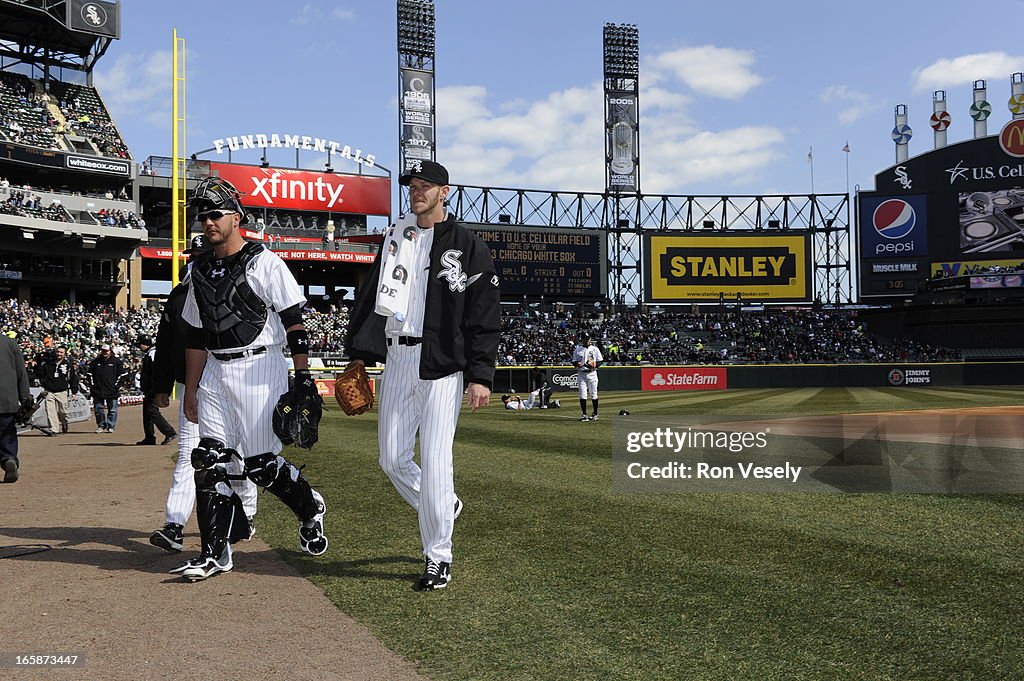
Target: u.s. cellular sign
x,y
707,268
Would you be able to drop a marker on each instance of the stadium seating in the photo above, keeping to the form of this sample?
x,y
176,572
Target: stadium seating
x,y
28,116
25,117
87,116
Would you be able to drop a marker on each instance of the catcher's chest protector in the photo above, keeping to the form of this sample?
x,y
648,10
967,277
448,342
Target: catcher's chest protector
x,y
233,315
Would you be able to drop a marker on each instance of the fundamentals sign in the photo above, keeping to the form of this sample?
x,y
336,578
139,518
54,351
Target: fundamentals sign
x,y
708,268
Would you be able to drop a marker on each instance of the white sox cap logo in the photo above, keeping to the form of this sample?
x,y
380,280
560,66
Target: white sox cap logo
x,y
453,270
94,14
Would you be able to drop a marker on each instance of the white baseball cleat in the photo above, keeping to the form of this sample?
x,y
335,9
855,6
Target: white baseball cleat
x,y
203,567
311,532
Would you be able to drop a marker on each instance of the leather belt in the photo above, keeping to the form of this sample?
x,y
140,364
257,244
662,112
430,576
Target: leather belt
x,y
228,356
404,340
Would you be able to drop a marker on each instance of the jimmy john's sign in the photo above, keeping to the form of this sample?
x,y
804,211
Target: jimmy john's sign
x,y
709,268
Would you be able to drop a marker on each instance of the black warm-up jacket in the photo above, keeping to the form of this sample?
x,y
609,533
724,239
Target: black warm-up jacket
x,y
461,328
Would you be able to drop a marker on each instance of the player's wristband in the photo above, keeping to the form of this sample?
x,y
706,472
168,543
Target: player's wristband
x,y
298,342
304,380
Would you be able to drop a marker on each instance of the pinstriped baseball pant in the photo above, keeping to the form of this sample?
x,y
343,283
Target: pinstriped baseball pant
x,y
237,400
409,404
181,497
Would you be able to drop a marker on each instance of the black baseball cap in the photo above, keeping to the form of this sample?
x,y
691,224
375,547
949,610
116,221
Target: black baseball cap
x,y
430,171
198,244
144,340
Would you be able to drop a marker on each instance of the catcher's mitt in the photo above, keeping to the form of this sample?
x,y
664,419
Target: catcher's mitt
x,y
297,414
352,389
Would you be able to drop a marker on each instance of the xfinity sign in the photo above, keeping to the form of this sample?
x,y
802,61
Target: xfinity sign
x,y
273,187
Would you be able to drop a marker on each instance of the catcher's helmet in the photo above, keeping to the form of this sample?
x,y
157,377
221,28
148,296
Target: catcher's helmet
x,y
212,193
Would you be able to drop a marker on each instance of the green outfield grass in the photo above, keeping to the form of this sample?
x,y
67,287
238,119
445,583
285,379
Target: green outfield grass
x,y
556,577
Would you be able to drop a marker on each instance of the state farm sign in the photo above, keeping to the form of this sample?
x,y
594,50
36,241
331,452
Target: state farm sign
x,y
305,190
684,378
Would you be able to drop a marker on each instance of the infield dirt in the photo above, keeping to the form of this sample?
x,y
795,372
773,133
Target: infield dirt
x,y
86,504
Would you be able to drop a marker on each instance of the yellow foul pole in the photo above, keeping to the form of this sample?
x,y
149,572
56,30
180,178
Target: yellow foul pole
x,y
179,226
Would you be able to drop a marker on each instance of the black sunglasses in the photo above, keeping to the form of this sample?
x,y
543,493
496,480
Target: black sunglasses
x,y
213,215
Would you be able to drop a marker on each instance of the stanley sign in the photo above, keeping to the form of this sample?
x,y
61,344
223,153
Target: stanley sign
x,y
708,268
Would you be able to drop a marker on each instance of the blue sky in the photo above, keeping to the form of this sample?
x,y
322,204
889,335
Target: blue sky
x,y
732,94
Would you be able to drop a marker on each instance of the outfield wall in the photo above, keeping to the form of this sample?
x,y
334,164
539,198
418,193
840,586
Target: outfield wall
x,y
721,377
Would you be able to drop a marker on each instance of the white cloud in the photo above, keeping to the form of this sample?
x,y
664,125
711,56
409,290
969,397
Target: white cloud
x,y
558,142
712,71
855,104
672,161
966,69
309,14
138,84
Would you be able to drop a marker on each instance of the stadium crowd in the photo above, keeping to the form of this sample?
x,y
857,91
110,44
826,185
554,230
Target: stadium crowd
x,y
28,205
26,116
769,336
528,337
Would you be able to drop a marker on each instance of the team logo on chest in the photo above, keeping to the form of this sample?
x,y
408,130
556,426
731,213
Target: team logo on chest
x,y
453,270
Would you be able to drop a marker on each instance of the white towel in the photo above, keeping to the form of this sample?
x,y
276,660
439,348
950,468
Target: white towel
x,y
393,292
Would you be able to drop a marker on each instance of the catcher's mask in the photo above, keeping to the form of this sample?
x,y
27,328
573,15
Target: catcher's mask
x,y
213,193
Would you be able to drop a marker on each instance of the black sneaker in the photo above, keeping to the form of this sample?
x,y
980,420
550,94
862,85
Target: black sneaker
x,y
10,470
168,538
168,439
147,441
435,576
458,508
593,417
584,418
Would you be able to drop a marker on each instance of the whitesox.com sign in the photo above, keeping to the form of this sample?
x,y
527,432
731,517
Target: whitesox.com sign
x,y
696,378
304,190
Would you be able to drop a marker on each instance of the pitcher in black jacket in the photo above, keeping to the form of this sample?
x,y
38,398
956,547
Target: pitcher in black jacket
x,y
431,313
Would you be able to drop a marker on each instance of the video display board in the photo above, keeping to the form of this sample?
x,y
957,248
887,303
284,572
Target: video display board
x,y
560,264
954,210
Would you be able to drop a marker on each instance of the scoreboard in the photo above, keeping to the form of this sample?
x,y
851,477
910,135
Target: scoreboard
x,y
562,264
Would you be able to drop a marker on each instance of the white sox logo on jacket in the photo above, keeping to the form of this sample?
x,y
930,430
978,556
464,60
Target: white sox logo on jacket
x,y
453,271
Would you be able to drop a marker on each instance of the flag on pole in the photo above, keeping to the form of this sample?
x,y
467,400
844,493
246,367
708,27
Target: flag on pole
x,y
847,148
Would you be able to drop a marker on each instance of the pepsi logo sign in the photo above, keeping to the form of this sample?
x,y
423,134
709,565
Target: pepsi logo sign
x,y
894,219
